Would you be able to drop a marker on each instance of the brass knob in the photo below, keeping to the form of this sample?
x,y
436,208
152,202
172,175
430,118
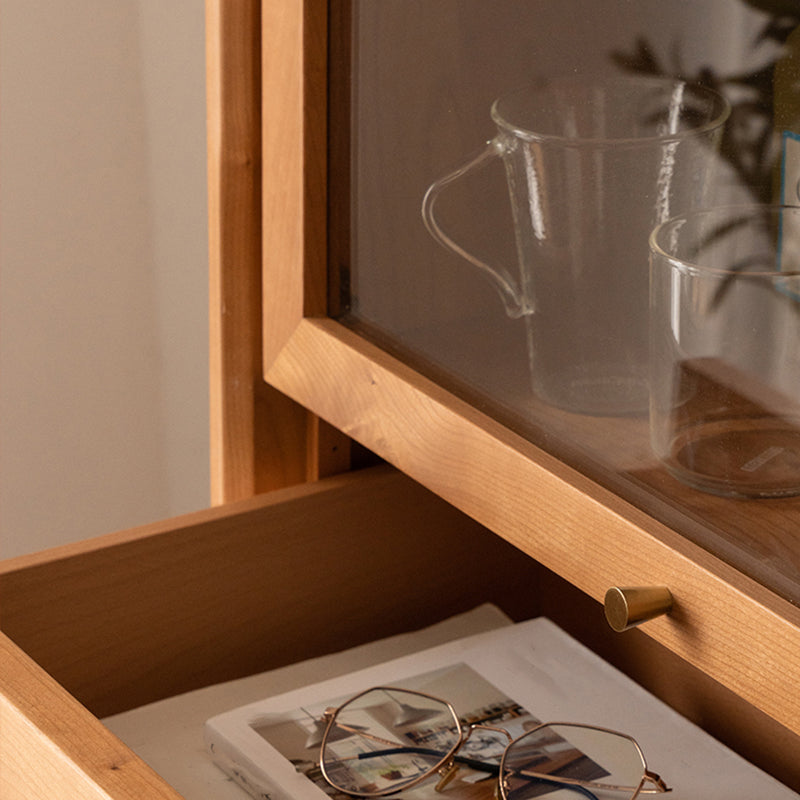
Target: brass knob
x,y
629,606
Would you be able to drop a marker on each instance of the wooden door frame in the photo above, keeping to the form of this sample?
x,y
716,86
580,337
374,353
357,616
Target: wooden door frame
x,y
259,439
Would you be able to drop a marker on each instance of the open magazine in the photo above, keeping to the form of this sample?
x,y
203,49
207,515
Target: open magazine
x,y
510,678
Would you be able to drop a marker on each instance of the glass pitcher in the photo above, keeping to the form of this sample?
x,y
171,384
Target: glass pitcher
x,y
592,168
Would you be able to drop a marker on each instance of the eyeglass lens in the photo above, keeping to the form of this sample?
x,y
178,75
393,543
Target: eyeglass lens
x,y
607,764
384,739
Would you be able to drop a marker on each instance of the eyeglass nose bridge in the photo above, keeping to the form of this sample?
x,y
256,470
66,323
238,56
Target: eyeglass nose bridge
x,y
449,770
482,726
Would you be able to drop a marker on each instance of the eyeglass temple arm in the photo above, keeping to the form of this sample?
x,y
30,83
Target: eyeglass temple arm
x,y
492,769
572,787
472,763
658,786
449,770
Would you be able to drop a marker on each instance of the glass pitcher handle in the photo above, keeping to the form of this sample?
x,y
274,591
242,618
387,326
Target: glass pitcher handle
x,y
515,303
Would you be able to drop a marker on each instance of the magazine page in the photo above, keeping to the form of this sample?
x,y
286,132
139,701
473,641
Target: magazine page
x,y
509,679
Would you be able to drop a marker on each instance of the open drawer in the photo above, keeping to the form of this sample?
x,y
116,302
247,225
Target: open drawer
x,y
115,622
112,623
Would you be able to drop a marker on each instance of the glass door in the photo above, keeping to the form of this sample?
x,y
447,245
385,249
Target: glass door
x,y
543,277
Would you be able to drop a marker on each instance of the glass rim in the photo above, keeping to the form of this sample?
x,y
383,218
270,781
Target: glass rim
x,y
693,266
722,105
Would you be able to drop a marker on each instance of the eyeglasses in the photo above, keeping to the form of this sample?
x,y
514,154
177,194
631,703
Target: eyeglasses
x,y
385,740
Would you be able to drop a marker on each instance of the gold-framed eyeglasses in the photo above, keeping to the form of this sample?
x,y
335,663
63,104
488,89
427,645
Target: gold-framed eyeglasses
x,y
386,739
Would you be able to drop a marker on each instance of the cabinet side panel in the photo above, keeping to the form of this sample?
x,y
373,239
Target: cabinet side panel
x,y
259,438
50,746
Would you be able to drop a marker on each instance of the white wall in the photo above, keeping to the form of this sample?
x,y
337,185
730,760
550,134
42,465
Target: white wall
x,y
103,252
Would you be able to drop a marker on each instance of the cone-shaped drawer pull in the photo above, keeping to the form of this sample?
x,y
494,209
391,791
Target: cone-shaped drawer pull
x,y
629,606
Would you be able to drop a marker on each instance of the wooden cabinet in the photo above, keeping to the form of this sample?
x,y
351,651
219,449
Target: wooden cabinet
x,y
296,397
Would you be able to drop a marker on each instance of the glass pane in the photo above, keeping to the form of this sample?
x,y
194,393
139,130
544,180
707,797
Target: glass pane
x,y
543,272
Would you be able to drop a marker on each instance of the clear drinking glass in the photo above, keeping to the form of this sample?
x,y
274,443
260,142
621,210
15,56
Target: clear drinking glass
x,y
725,407
592,167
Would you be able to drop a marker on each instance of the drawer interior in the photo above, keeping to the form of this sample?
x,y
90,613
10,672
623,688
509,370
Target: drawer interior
x,y
134,617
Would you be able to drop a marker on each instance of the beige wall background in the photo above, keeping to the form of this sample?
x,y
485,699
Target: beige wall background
x,y
103,259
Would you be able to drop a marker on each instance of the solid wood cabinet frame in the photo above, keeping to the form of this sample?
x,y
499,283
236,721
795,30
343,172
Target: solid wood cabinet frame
x,y
731,628
94,628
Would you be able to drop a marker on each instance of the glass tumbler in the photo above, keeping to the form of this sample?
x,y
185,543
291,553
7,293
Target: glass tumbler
x,y
725,349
